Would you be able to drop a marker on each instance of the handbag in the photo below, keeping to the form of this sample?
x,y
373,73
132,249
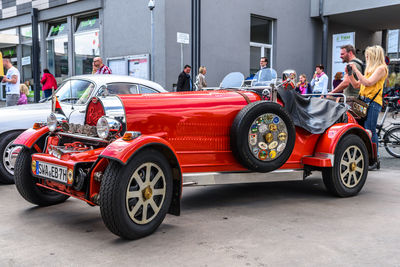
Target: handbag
x,y
359,107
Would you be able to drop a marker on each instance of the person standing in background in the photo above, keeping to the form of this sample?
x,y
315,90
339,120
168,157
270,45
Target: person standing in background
x,y
184,82
337,80
201,78
320,81
12,80
263,63
303,87
347,54
24,92
49,83
99,67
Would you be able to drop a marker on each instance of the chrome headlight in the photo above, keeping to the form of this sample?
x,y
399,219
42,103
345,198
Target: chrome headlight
x,y
53,120
107,127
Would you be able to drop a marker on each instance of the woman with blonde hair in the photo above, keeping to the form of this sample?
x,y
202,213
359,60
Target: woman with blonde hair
x,y
371,86
23,94
201,78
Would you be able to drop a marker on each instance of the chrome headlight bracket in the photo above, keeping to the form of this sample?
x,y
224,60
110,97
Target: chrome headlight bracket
x,y
54,120
108,127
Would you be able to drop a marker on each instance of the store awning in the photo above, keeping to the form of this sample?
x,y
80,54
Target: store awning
x,y
375,19
8,40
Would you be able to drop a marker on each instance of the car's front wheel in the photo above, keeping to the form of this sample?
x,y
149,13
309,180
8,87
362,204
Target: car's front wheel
x,y
349,172
135,198
8,156
26,183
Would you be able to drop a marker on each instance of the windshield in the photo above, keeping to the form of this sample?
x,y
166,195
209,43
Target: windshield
x,y
233,79
264,77
75,91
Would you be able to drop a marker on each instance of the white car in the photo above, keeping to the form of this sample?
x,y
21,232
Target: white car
x,y
73,95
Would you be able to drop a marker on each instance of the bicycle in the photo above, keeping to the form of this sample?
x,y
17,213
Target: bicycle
x,y
391,133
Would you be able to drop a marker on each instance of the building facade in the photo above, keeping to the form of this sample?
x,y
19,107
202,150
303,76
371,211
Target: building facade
x,y
234,34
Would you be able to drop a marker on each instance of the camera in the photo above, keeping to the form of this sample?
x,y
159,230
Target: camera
x,y
349,69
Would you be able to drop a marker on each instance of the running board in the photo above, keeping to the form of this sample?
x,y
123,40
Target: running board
x,y
216,178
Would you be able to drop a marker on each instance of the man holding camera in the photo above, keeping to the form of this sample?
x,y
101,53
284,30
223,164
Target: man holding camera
x,y
347,54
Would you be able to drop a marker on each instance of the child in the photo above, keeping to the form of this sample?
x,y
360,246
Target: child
x,y
303,87
23,92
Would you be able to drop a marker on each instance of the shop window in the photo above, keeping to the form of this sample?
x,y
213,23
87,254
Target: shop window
x,y
87,46
26,61
57,49
260,42
392,49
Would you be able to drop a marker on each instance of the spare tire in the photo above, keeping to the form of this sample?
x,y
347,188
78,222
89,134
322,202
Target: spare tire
x,y
262,136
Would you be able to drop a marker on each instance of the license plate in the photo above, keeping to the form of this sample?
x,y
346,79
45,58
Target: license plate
x,y
51,171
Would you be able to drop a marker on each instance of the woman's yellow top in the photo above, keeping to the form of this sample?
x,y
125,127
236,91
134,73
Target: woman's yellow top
x,y
370,91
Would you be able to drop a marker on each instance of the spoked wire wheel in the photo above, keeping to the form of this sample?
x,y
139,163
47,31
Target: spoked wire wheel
x,y
392,141
145,193
349,172
351,166
134,198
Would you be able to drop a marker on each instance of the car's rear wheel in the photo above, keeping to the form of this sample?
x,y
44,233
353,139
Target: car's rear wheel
x,y
135,198
8,155
262,136
349,172
26,183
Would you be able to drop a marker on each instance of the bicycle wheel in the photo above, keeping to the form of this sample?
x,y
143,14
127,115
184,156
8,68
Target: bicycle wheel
x,y
391,141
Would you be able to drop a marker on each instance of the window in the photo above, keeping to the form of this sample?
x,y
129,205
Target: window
x,y
260,42
121,89
75,91
87,44
146,90
26,41
57,49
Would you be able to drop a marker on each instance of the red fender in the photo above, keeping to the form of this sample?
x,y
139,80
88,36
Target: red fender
x,y
325,149
122,151
30,136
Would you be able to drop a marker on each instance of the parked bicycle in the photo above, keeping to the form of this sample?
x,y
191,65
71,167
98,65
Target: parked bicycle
x,y
389,135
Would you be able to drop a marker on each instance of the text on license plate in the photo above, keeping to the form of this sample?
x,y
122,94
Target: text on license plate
x,y
51,171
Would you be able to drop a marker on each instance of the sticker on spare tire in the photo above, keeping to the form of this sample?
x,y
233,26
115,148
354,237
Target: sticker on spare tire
x,y
270,136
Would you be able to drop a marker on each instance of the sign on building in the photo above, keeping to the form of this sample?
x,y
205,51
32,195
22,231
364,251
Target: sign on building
x,y
182,38
338,41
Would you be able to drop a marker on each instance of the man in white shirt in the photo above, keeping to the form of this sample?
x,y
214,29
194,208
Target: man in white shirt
x,y
320,81
12,83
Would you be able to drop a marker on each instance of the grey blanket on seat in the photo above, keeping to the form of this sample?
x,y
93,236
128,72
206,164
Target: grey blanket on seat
x,y
311,113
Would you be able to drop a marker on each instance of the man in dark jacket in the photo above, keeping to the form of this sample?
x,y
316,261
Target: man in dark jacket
x,y
184,81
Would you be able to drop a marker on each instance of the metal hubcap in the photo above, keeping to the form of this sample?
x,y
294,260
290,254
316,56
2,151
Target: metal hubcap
x,y
351,166
10,156
145,193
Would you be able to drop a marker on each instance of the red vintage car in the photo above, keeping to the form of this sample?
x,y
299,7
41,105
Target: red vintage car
x,y
135,152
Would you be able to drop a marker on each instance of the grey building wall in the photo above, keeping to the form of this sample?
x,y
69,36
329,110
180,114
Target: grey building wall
x,y
225,40
126,29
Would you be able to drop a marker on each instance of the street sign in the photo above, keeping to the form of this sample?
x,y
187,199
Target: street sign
x,y
182,38
26,61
